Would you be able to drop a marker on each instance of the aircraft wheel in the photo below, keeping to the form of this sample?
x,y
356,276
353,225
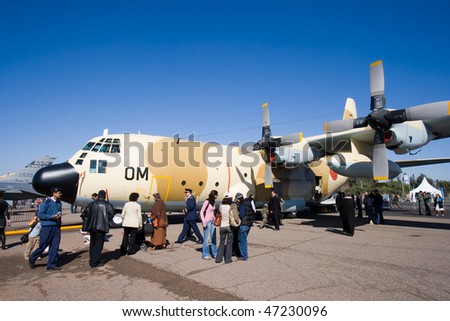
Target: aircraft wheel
x,y
116,221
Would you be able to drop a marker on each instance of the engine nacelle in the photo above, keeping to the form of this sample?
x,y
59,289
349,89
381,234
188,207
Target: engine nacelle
x,y
407,136
292,157
357,165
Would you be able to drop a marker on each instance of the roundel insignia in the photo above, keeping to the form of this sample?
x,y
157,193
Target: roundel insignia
x,y
333,175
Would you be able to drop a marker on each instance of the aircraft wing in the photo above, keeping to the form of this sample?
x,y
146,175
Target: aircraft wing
x,y
18,191
420,162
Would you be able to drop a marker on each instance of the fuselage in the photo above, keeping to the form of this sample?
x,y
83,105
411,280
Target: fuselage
x,y
125,163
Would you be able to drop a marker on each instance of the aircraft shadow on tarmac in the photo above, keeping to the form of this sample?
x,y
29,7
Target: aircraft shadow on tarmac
x,y
334,222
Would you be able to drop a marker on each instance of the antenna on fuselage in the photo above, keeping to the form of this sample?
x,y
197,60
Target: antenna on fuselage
x,y
105,131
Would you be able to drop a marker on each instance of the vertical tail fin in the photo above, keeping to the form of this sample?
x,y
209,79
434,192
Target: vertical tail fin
x,y
25,175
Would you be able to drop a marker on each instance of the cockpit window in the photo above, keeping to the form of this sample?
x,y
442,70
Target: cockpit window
x,y
105,148
115,149
88,146
110,145
96,147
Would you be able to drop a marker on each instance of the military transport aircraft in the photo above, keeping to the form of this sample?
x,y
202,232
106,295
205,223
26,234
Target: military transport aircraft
x,y
18,185
293,165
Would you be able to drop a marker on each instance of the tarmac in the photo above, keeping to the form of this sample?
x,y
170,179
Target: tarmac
x,y
406,259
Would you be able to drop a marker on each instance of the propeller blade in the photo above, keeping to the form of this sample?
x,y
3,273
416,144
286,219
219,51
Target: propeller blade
x,y
266,132
427,111
268,180
291,138
377,99
345,124
339,125
380,160
380,163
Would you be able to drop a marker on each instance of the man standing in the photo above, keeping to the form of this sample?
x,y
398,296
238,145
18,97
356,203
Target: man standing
x,y
378,206
348,215
247,216
4,219
96,217
190,218
275,210
50,217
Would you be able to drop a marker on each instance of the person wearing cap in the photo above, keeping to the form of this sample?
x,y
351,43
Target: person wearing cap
x,y
247,216
226,233
190,218
50,217
96,217
4,219
132,222
158,215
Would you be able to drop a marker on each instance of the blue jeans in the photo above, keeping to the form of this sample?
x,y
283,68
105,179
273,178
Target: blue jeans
x,y
209,234
242,240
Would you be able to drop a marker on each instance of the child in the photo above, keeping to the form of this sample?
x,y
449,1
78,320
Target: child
x,y
33,234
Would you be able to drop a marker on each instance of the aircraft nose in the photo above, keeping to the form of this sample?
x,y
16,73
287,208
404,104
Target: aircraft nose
x,y
59,175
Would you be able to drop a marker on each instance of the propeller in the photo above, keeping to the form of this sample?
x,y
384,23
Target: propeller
x,y
381,120
268,144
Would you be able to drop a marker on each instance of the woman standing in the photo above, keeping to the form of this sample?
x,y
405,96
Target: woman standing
x,y
158,216
226,234
132,221
4,219
209,234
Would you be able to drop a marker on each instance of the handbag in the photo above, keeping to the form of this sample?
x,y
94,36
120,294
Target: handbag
x,y
155,222
218,219
24,238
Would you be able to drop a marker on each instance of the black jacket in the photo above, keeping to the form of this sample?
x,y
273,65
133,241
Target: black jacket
x,y
96,216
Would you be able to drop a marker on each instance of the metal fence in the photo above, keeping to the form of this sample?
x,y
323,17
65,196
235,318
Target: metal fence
x,y
24,213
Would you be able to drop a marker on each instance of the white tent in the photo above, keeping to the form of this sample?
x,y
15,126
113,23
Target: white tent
x,y
424,187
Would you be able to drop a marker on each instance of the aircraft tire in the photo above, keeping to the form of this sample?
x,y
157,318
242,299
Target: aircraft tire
x,y
116,221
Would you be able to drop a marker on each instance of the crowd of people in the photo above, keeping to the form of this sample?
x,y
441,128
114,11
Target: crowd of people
x,y
236,212
237,215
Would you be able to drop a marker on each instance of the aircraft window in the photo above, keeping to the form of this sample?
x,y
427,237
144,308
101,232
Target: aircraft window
x,y
96,147
102,166
115,149
108,141
79,162
88,146
93,166
200,183
217,184
102,140
116,141
183,183
105,148
83,155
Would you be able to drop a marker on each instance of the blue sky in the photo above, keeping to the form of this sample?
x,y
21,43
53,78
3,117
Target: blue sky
x,y
69,69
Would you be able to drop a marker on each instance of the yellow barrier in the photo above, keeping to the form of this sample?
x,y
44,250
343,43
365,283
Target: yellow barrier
x,y
63,228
